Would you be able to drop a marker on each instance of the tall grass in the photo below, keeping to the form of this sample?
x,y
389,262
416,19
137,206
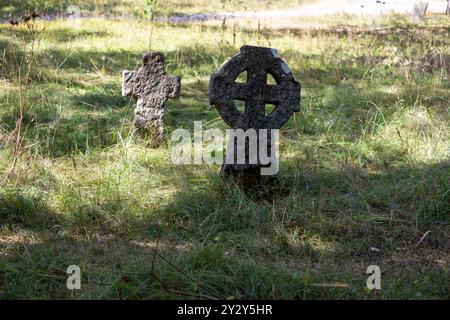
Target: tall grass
x,y
365,162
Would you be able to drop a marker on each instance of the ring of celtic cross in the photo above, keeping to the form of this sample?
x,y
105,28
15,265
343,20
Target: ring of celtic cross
x,y
258,62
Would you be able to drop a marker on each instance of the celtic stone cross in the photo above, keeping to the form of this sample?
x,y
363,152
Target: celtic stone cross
x,y
224,90
151,86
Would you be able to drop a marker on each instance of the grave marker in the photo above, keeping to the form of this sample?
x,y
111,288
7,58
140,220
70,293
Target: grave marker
x,y
258,63
151,86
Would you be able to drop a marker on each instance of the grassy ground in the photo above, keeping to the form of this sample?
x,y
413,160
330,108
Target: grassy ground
x,y
366,162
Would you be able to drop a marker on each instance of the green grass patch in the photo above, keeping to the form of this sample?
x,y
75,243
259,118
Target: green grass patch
x,y
365,162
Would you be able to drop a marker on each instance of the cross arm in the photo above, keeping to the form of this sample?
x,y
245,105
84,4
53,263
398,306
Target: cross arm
x,y
174,86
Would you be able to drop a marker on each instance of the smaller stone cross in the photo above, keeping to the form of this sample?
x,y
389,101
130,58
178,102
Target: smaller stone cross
x,y
151,86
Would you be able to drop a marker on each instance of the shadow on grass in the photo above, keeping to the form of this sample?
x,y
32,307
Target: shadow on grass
x,y
233,246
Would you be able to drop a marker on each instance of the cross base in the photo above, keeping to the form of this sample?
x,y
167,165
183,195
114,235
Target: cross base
x,y
250,180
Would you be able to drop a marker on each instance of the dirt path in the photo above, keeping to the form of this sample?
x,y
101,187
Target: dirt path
x,y
322,8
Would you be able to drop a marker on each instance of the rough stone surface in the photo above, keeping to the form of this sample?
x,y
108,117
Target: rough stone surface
x,y
151,86
258,63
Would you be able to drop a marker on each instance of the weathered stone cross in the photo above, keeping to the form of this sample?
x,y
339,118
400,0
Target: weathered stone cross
x,y
151,86
258,62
